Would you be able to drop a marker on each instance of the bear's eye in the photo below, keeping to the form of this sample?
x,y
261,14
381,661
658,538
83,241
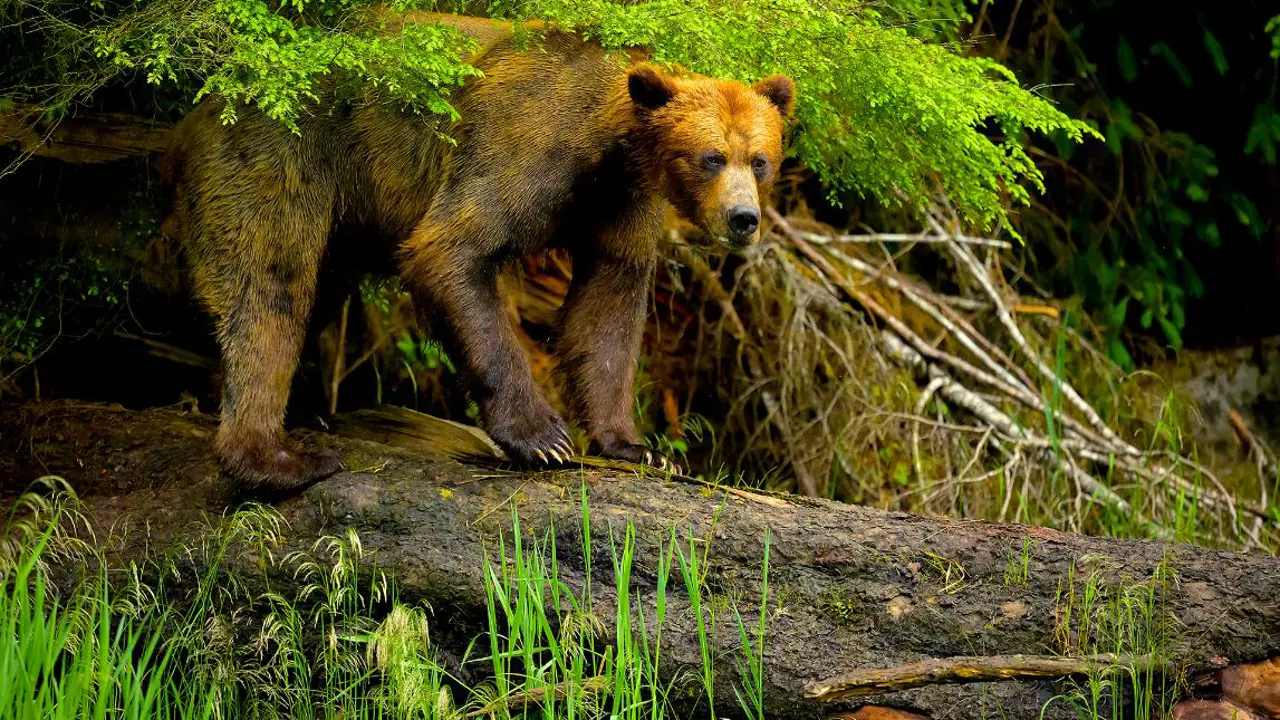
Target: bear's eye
x,y
713,161
759,165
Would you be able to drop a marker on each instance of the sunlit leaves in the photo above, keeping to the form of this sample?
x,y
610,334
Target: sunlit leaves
x,y
879,111
276,56
887,106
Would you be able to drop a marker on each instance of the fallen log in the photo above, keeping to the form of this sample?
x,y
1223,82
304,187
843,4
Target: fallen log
x,y
854,589
87,137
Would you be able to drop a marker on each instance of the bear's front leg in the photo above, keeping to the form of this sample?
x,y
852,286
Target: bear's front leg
x,y
598,348
455,281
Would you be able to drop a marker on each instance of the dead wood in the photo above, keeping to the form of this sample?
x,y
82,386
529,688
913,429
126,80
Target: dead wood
x,y
863,683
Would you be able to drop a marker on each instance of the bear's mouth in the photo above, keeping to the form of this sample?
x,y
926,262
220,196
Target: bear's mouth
x,y
735,242
722,237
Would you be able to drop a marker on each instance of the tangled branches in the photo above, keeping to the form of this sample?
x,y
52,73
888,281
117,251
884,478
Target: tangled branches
x,y
830,360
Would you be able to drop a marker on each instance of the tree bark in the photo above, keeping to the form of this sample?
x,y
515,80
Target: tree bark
x,y
851,588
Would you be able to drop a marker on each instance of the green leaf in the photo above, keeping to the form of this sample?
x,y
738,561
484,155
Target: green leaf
x,y
1264,132
1208,232
1126,59
1119,312
1162,50
1246,212
1171,332
1121,128
901,473
1119,353
1216,52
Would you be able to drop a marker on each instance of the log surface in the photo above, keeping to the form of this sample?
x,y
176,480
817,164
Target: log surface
x,y
851,588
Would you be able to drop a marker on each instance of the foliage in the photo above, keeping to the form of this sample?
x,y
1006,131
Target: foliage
x,y
52,291
1135,226
36,297
271,54
881,109
878,110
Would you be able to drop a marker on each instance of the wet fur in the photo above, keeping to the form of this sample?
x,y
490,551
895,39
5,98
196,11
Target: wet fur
x,y
551,151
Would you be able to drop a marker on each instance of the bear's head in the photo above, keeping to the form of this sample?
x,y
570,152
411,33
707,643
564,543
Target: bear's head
x,y
712,147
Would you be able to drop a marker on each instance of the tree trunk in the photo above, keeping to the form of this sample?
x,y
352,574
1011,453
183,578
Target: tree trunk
x,y
852,589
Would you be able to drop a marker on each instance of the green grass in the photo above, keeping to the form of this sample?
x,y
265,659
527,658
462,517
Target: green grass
x,y
1017,569
1131,620
203,633
90,652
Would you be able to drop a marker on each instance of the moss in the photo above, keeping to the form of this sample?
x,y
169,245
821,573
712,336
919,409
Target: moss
x,y
847,607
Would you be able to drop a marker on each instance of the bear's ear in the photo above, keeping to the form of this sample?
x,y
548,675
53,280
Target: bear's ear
x,y
778,90
649,88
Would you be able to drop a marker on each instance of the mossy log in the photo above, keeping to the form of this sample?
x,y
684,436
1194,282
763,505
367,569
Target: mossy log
x,y
851,588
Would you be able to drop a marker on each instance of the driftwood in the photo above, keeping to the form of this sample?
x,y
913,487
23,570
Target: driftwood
x,y
855,589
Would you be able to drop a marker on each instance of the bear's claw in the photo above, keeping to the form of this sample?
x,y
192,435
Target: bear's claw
x,y
546,444
641,455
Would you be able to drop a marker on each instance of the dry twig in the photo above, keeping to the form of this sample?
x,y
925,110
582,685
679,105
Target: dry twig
x,y
1083,437
935,671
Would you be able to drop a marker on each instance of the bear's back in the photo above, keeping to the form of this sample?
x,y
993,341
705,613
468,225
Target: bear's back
x,y
549,111
547,108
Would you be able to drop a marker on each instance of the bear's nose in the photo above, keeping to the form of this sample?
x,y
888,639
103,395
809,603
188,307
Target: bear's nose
x,y
743,220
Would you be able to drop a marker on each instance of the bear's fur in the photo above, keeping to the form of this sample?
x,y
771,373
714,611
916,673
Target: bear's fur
x,y
558,145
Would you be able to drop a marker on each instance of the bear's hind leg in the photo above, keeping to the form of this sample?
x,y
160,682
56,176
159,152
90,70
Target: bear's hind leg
x,y
449,264
259,278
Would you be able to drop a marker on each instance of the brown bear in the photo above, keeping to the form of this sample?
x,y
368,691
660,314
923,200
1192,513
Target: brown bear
x,y
559,145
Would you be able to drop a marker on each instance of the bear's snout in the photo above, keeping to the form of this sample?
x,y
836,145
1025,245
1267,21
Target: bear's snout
x,y
743,221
